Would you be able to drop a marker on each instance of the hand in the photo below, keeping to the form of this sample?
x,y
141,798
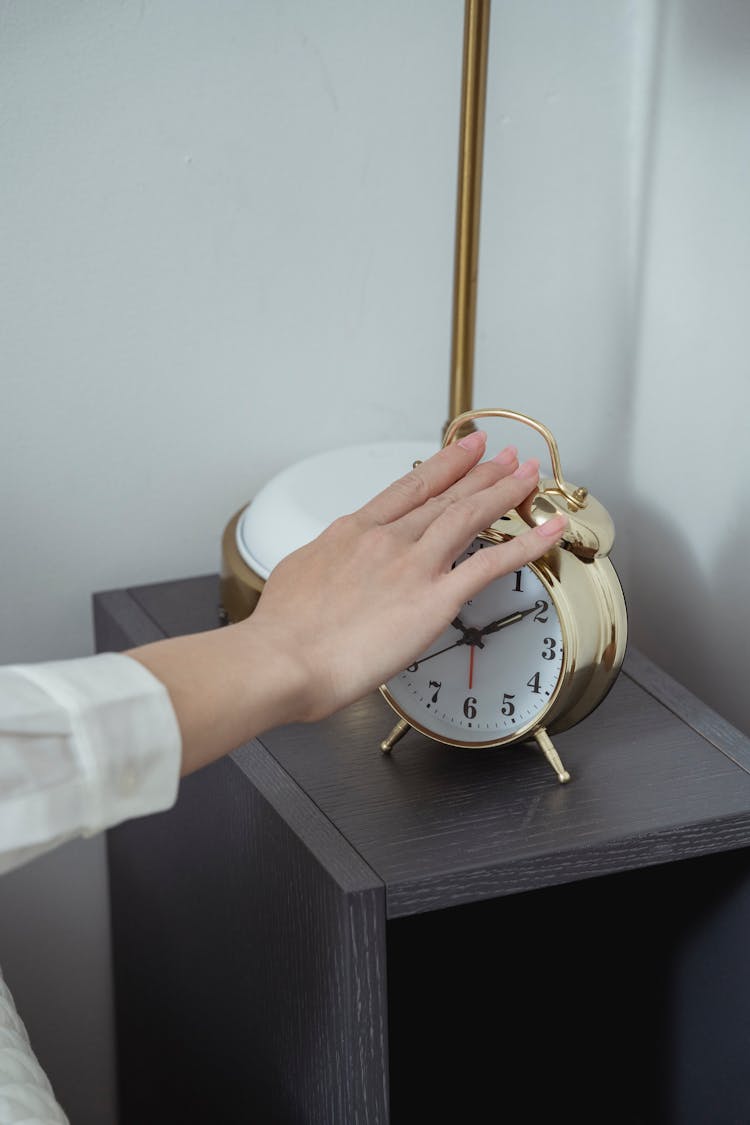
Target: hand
x,y
352,608
364,599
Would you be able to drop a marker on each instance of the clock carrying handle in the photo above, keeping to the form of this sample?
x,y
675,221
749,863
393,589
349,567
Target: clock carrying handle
x,y
575,499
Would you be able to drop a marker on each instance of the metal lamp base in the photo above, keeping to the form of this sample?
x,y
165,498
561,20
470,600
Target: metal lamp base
x,y
240,586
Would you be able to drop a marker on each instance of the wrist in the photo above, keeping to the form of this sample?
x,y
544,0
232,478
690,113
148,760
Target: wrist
x,y
227,686
273,679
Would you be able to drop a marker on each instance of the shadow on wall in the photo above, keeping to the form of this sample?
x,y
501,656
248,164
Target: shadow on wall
x,y
722,26
688,615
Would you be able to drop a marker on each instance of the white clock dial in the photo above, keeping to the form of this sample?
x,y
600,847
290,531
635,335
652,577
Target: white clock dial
x,y
494,670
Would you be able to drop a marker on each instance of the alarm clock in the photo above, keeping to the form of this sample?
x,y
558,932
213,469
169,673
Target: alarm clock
x,y
535,651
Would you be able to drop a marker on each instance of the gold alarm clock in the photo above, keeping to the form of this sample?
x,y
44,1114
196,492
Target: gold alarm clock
x,y
538,649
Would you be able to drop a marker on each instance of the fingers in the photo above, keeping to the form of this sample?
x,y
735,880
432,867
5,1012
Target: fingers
x,y
482,476
457,525
429,479
485,566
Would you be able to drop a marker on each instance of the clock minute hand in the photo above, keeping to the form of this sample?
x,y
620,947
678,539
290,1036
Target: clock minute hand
x,y
413,667
511,619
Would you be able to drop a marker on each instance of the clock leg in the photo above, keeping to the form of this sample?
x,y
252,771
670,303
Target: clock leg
x,y
398,732
546,746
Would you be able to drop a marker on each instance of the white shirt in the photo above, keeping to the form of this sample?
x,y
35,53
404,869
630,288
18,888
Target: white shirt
x,y
84,745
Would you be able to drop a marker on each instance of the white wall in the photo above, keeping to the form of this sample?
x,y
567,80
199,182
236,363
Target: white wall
x,y
691,461
563,144
227,237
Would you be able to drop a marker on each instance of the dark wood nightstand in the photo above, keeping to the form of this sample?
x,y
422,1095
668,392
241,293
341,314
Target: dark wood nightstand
x,y
318,933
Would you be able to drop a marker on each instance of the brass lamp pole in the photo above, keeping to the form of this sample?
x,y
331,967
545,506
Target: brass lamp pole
x,y
471,149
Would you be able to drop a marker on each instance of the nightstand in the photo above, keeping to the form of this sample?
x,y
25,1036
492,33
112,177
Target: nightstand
x,y
320,933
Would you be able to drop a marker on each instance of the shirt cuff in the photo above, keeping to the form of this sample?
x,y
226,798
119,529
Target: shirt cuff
x,y
125,732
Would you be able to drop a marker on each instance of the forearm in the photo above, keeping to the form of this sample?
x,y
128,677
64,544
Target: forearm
x,y
226,686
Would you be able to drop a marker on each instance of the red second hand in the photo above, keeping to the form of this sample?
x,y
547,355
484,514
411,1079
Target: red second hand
x,y
471,666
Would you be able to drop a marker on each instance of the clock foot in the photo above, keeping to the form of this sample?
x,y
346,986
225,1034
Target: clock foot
x,y
398,732
546,746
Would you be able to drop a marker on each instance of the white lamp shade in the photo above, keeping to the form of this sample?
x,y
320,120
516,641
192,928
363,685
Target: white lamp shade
x,y
303,499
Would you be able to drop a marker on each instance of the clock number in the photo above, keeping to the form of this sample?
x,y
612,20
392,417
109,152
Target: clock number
x,y
508,707
550,654
437,686
542,607
533,683
517,588
470,707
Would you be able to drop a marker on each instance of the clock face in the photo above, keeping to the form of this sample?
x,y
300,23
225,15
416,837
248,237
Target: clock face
x,y
489,675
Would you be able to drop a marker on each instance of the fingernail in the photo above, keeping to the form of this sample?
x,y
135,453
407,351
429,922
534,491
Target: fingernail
x,y
527,469
473,440
552,529
507,456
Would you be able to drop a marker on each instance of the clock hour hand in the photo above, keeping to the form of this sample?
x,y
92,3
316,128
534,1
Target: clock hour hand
x,y
511,619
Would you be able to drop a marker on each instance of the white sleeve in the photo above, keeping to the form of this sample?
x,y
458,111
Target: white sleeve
x,y
84,745
26,1095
